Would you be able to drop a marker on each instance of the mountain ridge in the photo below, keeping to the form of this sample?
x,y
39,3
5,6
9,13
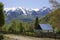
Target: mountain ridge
x,y
20,13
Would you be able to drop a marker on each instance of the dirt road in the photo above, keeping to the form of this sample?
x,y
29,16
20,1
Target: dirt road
x,y
16,37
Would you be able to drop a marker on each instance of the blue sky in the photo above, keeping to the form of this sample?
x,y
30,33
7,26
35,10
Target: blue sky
x,y
26,3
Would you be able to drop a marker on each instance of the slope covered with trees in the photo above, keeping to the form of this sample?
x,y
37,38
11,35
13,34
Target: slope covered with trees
x,y
53,18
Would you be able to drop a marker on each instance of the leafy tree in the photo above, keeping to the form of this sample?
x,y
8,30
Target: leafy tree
x,y
21,27
2,18
30,28
13,26
5,28
25,25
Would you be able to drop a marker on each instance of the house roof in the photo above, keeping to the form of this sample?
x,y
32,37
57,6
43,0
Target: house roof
x,y
46,26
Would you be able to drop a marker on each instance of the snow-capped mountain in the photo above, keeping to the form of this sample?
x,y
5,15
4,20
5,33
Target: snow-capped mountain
x,y
25,14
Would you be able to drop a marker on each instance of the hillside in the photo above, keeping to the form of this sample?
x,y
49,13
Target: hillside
x,y
53,18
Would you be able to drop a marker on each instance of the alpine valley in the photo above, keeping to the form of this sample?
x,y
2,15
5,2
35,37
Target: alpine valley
x,y
26,15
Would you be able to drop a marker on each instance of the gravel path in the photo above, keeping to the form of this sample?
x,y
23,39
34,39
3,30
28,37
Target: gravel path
x,y
16,37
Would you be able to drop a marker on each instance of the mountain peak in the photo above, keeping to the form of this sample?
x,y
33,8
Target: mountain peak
x,y
24,13
14,8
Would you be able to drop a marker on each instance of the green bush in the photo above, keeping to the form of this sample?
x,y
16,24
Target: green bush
x,y
30,33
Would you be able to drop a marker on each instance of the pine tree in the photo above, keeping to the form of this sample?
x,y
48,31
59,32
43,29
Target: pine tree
x,y
36,23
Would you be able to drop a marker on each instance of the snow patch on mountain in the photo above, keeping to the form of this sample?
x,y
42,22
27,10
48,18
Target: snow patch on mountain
x,y
7,9
23,10
27,11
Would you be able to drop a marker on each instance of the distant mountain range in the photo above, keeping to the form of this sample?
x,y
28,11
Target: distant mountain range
x,y
23,14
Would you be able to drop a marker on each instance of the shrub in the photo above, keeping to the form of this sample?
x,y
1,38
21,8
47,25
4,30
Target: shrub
x,y
30,33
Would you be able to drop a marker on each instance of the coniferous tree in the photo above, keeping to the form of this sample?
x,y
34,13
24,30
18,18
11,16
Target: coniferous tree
x,y
36,23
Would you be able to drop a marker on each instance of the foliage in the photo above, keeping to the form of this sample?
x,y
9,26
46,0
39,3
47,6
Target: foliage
x,y
53,18
31,28
13,26
30,33
21,27
36,23
2,18
5,28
